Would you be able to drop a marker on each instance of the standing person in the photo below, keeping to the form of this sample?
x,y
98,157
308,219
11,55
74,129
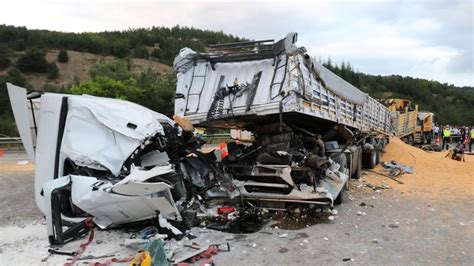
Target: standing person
x,y
463,135
471,142
446,136
436,131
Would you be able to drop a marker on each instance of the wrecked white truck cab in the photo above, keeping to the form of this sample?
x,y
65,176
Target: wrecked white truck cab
x,y
99,157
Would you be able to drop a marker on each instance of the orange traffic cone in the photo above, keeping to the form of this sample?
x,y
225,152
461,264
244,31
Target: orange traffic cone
x,y
223,149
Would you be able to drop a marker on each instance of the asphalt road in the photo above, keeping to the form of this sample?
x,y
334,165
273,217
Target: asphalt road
x,y
397,229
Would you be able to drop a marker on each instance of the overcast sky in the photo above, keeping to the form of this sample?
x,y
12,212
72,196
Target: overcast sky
x,y
430,39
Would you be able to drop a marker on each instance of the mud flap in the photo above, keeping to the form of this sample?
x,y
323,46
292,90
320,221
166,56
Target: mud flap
x,y
52,194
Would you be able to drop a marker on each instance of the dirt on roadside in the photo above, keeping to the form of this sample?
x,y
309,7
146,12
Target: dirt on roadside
x,y
434,177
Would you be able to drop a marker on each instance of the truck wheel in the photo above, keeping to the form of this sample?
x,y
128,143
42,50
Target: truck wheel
x,y
378,152
369,159
377,157
410,140
341,159
358,169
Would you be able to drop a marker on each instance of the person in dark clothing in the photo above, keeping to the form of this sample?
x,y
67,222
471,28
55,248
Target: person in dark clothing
x,y
471,136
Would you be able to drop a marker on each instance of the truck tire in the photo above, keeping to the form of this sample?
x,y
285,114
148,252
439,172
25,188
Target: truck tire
x,y
377,156
358,170
341,159
369,159
378,152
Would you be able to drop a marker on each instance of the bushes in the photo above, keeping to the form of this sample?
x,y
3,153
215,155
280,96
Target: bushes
x,y
141,52
4,62
53,71
7,125
4,57
156,53
117,43
7,122
33,61
63,56
117,81
108,87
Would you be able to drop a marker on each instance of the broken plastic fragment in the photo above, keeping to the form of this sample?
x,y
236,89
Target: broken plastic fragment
x,y
165,224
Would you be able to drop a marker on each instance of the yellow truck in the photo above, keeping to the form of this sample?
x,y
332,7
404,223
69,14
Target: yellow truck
x,y
408,123
424,128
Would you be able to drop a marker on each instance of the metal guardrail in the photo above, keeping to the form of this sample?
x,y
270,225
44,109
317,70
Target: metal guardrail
x,y
10,140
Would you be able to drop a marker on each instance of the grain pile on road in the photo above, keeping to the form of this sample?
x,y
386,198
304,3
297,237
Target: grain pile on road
x,y
435,177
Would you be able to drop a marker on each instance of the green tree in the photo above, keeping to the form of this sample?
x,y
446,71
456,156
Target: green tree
x,y
159,91
7,122
156,53
53,71
118,70
116,81
141,52
4,57
63,56
120,49
107,87
33,61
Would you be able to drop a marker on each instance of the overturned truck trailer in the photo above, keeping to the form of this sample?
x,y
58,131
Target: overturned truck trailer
x,y
312,129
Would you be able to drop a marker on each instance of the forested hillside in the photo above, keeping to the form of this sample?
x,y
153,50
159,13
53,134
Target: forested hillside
x,y
451,105
132,64
158,42
135,65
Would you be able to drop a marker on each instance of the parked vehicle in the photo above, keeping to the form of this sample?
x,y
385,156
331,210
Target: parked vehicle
x,y
409,124
424,128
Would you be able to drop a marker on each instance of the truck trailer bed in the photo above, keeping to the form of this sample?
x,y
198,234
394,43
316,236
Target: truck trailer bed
x,y
234,85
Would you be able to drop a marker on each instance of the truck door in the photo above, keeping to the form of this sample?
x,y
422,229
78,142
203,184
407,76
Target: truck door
x,y
23,118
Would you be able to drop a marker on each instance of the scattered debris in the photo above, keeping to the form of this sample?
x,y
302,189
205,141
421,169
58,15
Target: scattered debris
x,y
393,225
283,250
377,188
22,163
393,165
363,204
347,259
388,176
